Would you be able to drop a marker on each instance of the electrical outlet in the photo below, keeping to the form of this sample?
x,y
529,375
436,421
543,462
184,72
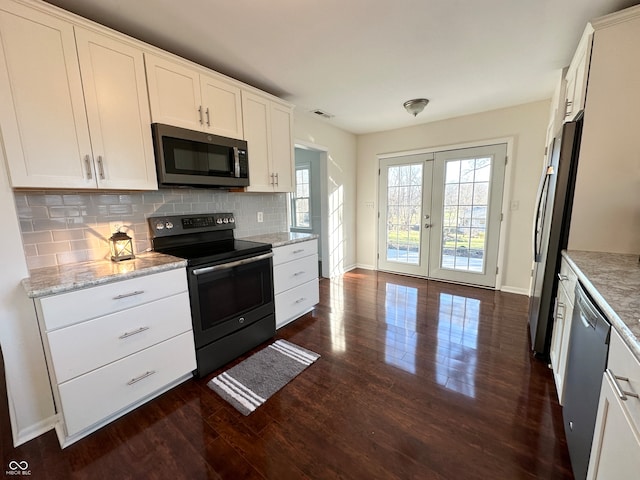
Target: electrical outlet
x,y
260,217
115,226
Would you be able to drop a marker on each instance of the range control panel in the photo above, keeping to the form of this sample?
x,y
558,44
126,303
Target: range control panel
x,y
168,225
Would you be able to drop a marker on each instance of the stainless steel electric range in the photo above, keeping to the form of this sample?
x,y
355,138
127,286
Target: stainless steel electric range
x,y
230,284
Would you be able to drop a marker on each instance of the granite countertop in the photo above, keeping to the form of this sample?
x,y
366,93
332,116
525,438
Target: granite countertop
x,y
613,280
282,238
64,278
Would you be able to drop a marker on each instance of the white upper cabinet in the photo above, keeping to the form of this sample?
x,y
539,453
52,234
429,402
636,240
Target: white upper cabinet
x,y
577,76
43,119
184,97
51,141
268,127
118,112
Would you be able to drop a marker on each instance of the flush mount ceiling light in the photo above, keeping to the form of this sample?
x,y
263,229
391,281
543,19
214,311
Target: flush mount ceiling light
x,y
415,106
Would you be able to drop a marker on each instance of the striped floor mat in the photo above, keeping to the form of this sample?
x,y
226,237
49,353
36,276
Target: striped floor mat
x,y
249,384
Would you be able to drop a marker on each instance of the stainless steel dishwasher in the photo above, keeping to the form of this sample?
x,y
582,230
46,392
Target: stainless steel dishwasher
x,y
586,363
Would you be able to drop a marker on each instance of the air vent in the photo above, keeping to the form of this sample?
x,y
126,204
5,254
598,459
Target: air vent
x,y
322,113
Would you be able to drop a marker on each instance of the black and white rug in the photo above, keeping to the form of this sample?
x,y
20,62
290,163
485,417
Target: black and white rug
x,y
249,384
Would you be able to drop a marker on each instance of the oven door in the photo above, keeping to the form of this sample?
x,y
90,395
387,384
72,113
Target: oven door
x,y
230,296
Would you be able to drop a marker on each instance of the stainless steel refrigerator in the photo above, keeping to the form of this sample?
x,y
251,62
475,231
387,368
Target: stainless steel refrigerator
x,y
551,231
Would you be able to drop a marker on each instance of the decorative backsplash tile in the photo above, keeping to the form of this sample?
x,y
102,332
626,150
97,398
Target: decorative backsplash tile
x,y
61,227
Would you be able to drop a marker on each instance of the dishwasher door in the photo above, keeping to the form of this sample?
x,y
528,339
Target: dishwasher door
x,y
586,363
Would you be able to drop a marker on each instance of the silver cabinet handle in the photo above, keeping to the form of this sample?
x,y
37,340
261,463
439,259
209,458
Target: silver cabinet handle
x,y
567,110
563,306
237,263
295,252
277,180
273,182
208,119
297,274
100,167
562,278
200,114
141,377
622,394
133,332
88,165
131,294
300,300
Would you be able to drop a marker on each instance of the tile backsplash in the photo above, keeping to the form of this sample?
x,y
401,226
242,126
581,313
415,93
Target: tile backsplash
x,y
60,227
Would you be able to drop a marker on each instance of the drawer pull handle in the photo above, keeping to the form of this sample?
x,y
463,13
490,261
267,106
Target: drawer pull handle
x,y
300,300
125,295
132,333
297,274
562,277
295,252
621,393
141,377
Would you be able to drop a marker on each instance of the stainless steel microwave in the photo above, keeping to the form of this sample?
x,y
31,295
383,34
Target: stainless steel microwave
x,y
197,159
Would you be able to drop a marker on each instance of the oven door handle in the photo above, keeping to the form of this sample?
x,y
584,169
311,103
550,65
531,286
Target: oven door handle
x,y
237,263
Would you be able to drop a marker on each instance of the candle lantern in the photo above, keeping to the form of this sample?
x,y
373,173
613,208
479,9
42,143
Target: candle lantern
x,y
121,246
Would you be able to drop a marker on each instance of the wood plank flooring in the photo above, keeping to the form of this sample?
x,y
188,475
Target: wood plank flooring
x,y
417,380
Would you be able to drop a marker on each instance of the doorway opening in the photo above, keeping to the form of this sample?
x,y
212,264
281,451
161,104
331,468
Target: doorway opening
x,y
308,204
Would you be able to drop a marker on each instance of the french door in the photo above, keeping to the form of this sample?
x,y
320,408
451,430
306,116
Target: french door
x,y
440,214
405,211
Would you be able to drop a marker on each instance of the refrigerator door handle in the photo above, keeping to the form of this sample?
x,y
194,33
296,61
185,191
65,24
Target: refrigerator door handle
x,y
538,218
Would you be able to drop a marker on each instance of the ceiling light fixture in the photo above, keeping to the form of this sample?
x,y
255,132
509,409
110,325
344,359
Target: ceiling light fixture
x,y
415,106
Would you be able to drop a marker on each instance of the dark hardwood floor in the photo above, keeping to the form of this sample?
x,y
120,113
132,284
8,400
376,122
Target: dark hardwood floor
x,y
417,379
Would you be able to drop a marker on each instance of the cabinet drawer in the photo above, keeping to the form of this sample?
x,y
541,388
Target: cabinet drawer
x,y
294,251
568,280
292,303
90,398
109,338
297,272
68,308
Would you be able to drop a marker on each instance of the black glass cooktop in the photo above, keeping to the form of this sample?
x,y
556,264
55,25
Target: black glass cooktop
x,y
216,252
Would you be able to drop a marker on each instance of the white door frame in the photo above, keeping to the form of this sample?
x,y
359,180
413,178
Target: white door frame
x,y
324,202
506,196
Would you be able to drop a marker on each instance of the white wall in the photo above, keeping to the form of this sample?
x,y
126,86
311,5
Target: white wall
x,y
29,393
525,124
341,173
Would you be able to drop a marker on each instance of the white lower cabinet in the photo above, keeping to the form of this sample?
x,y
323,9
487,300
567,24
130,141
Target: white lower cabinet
x,y
615,452
562,326
295,280
112,347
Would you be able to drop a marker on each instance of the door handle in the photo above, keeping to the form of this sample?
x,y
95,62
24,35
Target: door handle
x,y
427,225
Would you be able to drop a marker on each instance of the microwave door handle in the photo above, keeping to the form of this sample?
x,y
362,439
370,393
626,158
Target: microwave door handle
x,y
236,161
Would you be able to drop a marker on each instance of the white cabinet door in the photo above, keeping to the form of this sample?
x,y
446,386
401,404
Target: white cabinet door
x,y
257,130
560,339
43,119
282,147
268,129
222,107
577,76
117,104
174,93
615,453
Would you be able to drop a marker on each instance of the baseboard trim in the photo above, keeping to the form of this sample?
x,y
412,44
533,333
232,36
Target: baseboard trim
x,y
27,434
516,290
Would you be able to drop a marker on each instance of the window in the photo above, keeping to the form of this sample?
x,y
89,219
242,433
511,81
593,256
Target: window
x,y
300,201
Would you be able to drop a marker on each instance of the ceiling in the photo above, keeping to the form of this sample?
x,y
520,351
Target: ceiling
x,y
360,60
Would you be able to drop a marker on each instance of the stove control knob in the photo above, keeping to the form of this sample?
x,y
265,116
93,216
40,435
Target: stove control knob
x,y
159,226
232,220
219,221
225,220
169,225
